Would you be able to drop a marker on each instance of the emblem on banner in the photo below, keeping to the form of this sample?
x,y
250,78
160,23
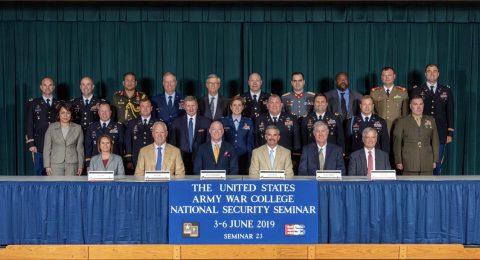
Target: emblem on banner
x,y
190,230
294,230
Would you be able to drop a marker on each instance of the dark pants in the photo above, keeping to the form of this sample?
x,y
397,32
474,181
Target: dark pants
x,y
243,164
438,168
38,162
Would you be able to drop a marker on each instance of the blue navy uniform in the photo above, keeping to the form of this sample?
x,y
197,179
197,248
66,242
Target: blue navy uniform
x,y
254,109
242,139
440,106
163,111
137,135
289,130
355,127
38,118
83,114
335,128
299,105
94,131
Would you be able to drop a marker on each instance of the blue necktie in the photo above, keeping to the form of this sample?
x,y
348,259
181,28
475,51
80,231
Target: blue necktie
x,y
236,123
158,167
170,102
272,158
190,133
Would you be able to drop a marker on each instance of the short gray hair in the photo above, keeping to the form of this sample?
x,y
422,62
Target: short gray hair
x,y
213,76
367,130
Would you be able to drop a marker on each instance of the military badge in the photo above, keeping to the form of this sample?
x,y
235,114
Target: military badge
x,y
246,127
428,124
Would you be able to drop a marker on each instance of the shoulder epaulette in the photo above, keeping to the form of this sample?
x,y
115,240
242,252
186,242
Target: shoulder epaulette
x,y
120,92
311,93
448,86
376,88
30,99
415,86
286,94
401,88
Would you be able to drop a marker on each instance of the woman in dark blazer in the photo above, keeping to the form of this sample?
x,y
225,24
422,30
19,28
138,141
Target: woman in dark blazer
x,y
106,160
63,146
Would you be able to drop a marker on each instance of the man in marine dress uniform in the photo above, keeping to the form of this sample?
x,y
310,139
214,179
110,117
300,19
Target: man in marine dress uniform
x,y
391,102
126,102
138,134
168,104
333,122
255,98
85,108
415,141
104,126
298,102
438,100
41,112
367,118
286,123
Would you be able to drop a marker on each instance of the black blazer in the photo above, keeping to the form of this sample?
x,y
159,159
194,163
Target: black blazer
x,y
227,159
222,107
358,162
309,162
178,133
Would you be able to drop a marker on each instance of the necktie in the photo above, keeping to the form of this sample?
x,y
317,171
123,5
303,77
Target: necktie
x,y
431,89
366,119
145,122
321,159
418,120
320,118
170,102
158,166
86,102
212,107
272,158
216,151
274,119
370,163
343,104
190,133
236,124
255,98
388,92
48,102
104,125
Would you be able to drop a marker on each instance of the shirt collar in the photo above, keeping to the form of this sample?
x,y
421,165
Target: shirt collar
x,y
258,94
49,98
106,122
324,147
239,118
369,116
389,88
163,146
148,118
89,98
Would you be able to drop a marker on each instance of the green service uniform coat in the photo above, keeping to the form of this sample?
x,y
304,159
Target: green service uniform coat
x,y
416,147
390,107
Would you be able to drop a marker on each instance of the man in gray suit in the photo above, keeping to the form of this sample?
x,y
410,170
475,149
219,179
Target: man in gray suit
x,y
342,100
213,105
364,161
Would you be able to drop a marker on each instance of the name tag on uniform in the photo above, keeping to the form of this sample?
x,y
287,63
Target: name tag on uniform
x,y
272,175
383,175
157,175
213,175
329,175
100,175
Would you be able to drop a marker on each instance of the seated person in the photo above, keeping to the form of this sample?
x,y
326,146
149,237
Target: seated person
x,y
364,161
106,160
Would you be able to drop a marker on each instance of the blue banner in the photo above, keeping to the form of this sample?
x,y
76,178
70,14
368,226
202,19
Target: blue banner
x,y
243,212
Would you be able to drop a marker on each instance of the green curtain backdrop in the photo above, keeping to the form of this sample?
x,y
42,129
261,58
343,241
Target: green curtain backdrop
x,y
232,40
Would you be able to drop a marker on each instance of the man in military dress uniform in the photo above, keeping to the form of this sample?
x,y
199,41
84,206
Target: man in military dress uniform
x,y
85,108
255,98
415,141
391,102
168,104
438,100
286,123
126,102
367,118
333,122
41,112
298,102
104,126
138,134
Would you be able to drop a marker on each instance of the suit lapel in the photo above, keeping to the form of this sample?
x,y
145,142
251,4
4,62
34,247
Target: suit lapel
x,y
211,155
68,138
267,157
328,154
166,158
363,159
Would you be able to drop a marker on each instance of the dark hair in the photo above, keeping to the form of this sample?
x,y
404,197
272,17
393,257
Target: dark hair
x,y
63,104
320,95
389,68
340,74
129,73
432,65
109,139
298,73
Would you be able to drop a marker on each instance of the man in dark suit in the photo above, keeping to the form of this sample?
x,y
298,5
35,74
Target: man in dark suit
x,y
169,104
438,100
321,155
342,100
213,105
364,161
255,98
216,154
188,132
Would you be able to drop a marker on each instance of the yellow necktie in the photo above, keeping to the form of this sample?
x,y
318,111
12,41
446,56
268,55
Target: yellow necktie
x,y
216,150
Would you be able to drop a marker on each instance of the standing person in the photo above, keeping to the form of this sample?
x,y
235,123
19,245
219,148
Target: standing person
x,y
63,148
85,108
298,102
438,100
362,162
216,154
255,98
239,132
40,113
213,105
342,100
391,102
168,104
415,141
188,132
126,102
106,160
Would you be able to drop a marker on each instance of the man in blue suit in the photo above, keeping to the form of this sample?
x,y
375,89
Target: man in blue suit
x,y
169,104
321,155
188,132
364,161
216,154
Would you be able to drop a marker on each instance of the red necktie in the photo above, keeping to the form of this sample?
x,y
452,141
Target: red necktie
x,y
370,163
